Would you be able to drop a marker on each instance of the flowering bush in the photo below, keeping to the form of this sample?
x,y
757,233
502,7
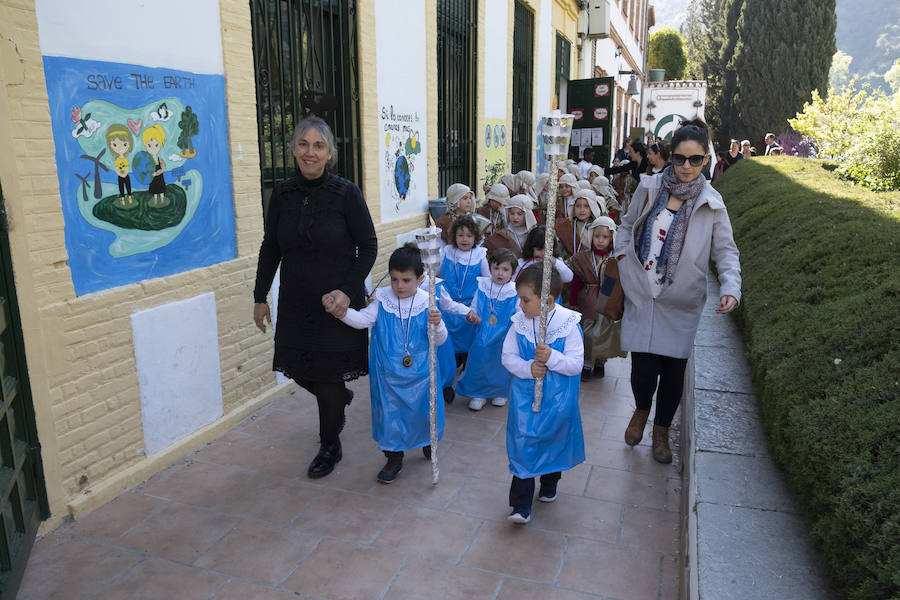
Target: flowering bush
x,y
794,144
859,129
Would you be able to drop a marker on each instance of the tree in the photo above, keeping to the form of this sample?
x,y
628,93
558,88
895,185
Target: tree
x,y
705,34
665,50
783,52
189,128
839,74
892,77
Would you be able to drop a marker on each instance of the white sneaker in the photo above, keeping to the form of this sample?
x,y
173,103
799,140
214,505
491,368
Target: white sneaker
x,y
499,401
477,403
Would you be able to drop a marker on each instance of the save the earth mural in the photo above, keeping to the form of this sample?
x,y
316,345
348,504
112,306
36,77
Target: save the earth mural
x,y
144,171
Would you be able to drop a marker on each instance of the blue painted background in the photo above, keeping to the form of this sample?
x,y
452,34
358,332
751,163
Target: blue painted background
x,y
209,237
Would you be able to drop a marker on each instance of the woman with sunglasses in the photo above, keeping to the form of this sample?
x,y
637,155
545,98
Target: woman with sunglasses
x,y
657,157
676,223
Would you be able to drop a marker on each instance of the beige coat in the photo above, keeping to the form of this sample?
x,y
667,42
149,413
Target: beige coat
x,y
667,324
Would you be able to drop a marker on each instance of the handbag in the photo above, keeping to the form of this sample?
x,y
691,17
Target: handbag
x,y
611,300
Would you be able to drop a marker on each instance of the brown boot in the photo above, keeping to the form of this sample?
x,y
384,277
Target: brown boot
x,y
635,430
661,452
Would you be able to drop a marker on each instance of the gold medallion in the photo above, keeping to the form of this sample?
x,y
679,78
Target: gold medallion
x,y
492,319
407,361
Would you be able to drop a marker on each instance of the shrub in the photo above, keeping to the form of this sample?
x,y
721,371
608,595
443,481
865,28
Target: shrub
x,y
820,320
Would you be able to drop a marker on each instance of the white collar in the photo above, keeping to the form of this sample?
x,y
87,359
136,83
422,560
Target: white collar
x,y
494,291
391,303
467,257
560,322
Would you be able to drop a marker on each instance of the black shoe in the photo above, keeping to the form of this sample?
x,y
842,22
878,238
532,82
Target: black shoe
x,y
426,450
323,464
391,468
586,374
547,493
599,371
449,395
520,515
349,397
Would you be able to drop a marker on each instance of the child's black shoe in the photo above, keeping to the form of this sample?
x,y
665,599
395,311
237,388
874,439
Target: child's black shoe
x,y
586,374
391,468
520,515
426,450
599,371
547,492
449,395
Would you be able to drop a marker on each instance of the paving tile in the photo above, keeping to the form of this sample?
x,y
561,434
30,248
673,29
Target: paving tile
x,y
421,579
268,498
573,481
156,579
288,459
339,570
627,488
736,545
178,532
642,460
197,483
748,481
112,520
345,515
613,454
620,404
723,369
483,498
241,590
515,589
728,422
614,429
293,426
674,492
577,515
428,533
258,552
626,573
469,429
476,460
66,568
719,335
515,550
415,487
651,529
670,586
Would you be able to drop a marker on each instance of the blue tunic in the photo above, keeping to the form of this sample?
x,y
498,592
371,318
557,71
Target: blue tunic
x,y
445,354
461,281
485,376
400,395
550,440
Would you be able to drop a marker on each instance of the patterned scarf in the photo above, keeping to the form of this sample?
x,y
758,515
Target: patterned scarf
x,y
671,250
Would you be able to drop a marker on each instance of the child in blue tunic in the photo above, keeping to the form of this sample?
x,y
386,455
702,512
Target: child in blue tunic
x,y
492,309
398,361
445,354
463,261
548,442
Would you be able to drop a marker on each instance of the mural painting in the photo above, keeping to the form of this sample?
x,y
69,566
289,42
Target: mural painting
x,y
494,150
143,167
402,187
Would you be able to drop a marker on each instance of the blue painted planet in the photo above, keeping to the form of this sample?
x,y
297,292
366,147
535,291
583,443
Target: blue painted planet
x,y
143,166
401,176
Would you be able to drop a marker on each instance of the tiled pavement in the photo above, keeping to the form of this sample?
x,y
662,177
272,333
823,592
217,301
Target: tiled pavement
x,y
239,520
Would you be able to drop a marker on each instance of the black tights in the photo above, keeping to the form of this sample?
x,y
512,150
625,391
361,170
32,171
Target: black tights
x,y
646,369
331,398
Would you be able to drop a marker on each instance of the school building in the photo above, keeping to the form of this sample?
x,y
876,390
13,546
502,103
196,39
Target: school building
x,y
127,332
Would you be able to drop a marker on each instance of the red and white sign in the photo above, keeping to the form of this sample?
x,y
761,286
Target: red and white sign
x,y
601,89
578,113
601,113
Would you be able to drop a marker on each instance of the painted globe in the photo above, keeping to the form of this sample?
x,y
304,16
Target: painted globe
x,y
143,166
401,176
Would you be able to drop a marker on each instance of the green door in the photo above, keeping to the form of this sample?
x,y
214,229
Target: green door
x,y
23,498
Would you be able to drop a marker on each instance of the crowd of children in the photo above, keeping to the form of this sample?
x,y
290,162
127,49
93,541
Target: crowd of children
x,y
489,300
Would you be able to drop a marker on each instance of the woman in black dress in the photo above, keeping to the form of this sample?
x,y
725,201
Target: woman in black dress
x,y
320,231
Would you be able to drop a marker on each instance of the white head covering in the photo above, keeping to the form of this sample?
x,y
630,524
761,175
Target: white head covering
x,y
509,180
583,184
574,170
592,200
524,202
604,190
500,193
569,179
454,194
603,221
598,170
526,181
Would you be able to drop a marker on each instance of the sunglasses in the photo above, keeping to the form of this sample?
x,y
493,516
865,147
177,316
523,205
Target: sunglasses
x,y
696,160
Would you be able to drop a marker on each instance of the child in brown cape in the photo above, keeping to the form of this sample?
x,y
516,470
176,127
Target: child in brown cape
x,y
600,300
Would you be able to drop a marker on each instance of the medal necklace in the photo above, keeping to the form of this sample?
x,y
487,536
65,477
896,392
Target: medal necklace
x,y
407,359
460,286
493,318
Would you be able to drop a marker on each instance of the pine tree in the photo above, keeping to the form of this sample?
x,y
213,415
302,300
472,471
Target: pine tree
x,y
783,52
705,35
727,107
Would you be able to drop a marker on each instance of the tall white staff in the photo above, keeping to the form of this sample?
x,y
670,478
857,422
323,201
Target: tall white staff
x,y
428,241
556,131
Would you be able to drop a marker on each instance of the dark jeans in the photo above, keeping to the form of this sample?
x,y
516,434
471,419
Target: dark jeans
x,y
648,370
332,399
521,491
124,183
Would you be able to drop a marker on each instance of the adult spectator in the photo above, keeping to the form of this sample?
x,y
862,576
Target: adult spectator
x,y
771,143
319,230
733,155
657,157
676,223
746,149
637,164
624,153
586,163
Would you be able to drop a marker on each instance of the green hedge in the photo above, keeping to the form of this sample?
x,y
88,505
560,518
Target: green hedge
x,y
820,317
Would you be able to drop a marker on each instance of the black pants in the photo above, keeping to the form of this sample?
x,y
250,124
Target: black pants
x,y
332,399
521,491
124,183
648,370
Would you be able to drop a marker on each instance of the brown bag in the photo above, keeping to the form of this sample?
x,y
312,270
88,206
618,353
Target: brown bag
x,y
612,296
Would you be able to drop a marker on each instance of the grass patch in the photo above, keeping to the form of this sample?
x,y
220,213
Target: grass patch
x,y
820,317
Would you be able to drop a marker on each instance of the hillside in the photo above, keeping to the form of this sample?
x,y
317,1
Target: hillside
x,y
870,36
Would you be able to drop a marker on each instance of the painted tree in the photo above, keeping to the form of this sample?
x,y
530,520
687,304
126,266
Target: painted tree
x,y
665,50
189,128
782,53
